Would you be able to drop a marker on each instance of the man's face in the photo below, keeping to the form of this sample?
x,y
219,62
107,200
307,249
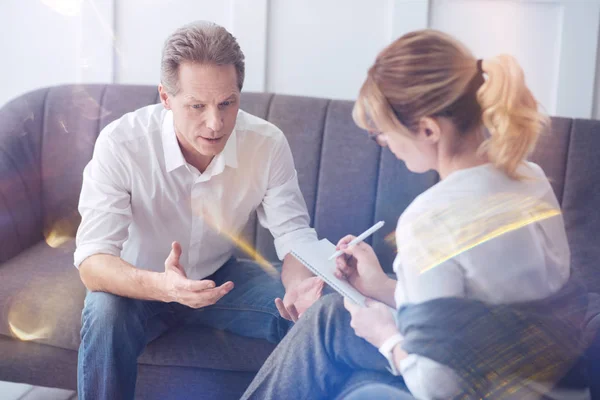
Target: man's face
x,y
204,109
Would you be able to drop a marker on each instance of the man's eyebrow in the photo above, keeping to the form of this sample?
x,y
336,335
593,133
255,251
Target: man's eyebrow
x,y
194,99
231,97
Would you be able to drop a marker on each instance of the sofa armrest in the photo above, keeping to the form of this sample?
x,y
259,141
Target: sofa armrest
x,y
21,134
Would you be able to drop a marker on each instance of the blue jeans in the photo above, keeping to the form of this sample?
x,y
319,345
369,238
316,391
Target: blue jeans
x,y
115,330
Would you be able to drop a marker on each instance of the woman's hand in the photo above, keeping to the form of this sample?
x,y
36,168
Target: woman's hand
x,y
360,267
374,323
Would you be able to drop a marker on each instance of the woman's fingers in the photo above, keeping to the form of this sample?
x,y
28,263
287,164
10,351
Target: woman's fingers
x,y
344,241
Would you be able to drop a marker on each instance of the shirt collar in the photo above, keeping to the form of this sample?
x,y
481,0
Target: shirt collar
x,y
174,157
230,150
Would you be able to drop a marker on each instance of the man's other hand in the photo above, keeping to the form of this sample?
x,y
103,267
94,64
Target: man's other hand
x,y
299,298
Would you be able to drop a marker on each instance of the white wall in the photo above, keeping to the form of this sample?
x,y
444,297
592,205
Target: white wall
x,y
49,42
596,111
304,47
516,29
27,47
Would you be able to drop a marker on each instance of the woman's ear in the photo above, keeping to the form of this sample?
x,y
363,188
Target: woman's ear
x,y
429,130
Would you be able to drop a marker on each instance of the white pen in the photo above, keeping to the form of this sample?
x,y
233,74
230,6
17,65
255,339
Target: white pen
x,y
359,239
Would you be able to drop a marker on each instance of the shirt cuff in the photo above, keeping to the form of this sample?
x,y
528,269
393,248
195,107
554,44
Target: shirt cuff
x,y
85,251
285,243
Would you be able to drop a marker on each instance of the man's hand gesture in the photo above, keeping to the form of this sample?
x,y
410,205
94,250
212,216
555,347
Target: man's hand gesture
x,y
176,287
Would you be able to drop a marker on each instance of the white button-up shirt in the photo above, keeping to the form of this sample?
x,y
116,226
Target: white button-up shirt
x,y
139,194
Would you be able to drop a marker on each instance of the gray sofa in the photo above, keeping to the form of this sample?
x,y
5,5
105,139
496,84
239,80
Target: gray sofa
x,y
46,139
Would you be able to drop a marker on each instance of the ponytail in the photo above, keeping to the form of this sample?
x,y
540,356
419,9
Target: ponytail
x,y
510,113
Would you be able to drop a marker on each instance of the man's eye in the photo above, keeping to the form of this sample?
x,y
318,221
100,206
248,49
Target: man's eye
x,y
226,103
198,106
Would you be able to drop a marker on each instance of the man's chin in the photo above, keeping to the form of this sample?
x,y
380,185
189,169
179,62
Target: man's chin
x,y
208,151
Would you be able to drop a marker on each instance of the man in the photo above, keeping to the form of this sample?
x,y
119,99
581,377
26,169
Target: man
x,y
174,184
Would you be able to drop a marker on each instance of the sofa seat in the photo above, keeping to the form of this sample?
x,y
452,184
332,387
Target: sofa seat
x,y
43,305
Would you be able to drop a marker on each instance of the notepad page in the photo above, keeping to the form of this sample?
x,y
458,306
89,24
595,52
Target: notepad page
x,y
314,256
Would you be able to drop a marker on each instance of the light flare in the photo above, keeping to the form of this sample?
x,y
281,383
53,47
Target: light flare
x,y
431,238
28,319
250,251
62,124
68,8
87,105
61,231
495,233
108,29
24,334
212,215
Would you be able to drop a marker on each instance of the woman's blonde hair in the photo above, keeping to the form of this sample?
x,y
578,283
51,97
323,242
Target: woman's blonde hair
x,y
430,74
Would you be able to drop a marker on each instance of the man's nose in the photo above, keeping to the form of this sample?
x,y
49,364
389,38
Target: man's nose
x,y
214,120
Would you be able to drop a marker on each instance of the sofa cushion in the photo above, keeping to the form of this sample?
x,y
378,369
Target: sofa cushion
x,y
20,183
41,301
581,199
28,362
42,296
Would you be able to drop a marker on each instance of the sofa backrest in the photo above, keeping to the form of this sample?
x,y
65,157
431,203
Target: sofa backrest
x,y
348,182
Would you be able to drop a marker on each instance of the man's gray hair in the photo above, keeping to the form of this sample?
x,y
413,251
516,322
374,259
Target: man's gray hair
x,y
200,42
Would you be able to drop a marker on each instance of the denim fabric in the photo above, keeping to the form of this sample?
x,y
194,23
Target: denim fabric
x,y
115,329
318,357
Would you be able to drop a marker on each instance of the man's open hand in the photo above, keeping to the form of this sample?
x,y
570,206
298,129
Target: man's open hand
x,y
176,287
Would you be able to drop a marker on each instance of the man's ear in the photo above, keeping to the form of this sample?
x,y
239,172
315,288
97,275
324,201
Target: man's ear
x,y
164,96
429,130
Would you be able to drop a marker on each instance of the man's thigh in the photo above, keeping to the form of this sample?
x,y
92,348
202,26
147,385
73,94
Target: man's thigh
x,y
249,309
108,311
256,286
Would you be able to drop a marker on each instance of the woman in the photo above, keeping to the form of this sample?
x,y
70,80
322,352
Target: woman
x,y
489,233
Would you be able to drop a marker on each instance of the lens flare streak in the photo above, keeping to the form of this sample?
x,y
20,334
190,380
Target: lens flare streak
x,y
442,233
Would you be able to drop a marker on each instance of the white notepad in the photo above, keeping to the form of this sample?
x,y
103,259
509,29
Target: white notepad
x,y
314,256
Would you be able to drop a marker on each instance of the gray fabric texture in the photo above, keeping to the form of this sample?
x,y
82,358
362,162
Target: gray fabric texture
x,y
21,124
347,160
368,378
581,200
396,189
47,137
322,366
496,350
551,153
30,363
176,383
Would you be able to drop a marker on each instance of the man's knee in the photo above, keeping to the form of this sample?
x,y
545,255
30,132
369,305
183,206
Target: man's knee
x,y
108,313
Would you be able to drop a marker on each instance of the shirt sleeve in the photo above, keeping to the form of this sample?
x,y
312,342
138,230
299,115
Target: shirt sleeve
x,y
427,271
104,203
427,261
283,209
427,379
